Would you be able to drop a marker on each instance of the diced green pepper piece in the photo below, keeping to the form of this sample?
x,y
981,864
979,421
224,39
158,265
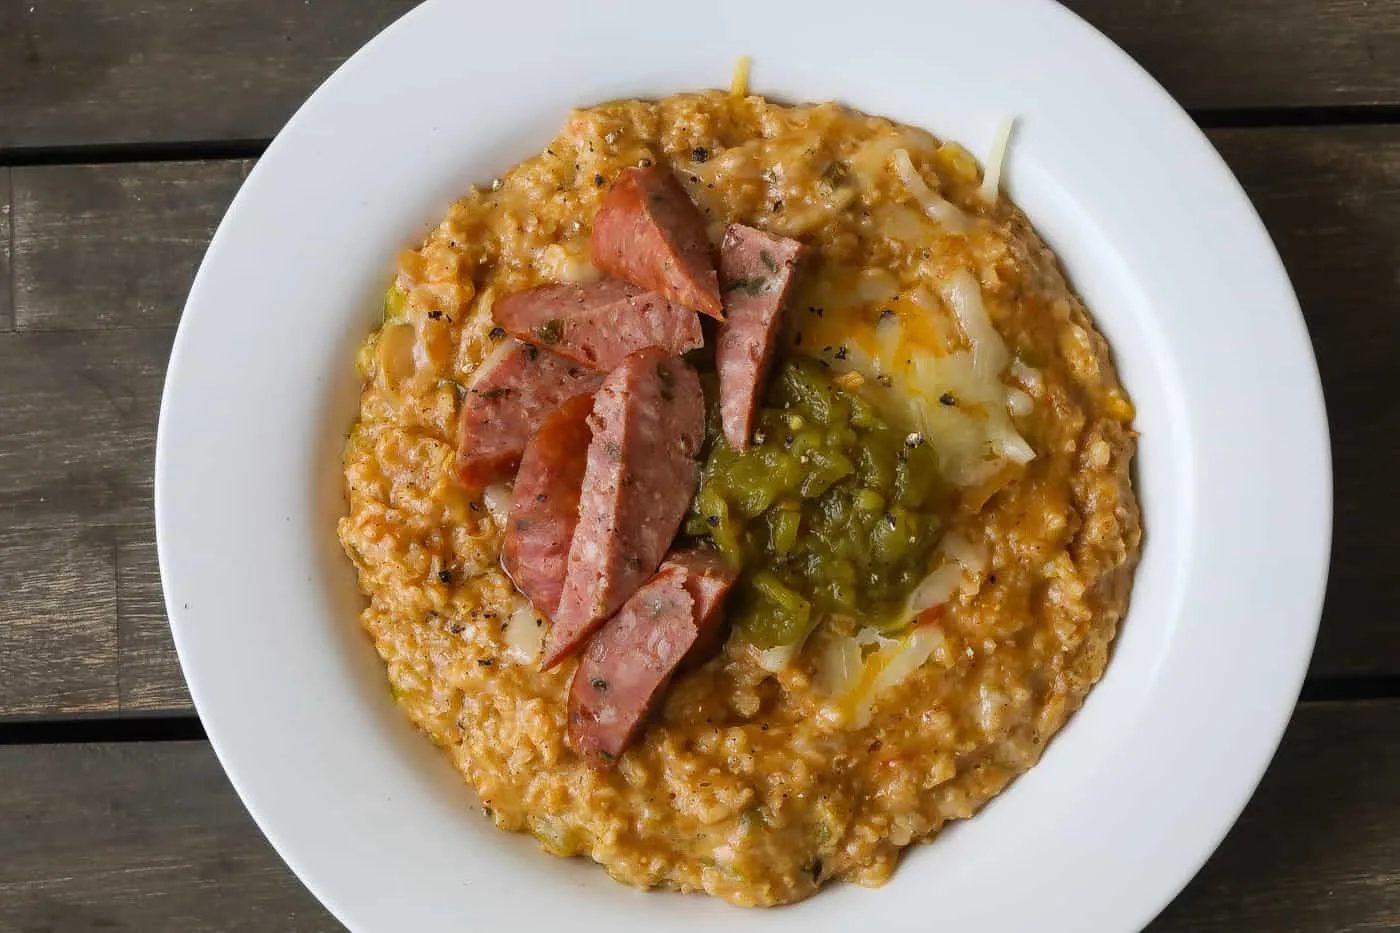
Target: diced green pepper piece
x,y
395,301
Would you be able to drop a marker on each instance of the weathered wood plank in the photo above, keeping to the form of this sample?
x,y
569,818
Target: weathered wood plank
x,y
1316,850
58,621
7,313
77,427
89,72
150,837
1259,53
150,679
100,246
77,436
1331,199
141,837
82,72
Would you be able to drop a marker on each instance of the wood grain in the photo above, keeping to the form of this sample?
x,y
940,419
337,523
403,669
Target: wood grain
x,y
141,837
77,427
1331,199
88,72
149,837
58,621
1214,55
103,246
7,312
80,627
150,680
1316,849
94,72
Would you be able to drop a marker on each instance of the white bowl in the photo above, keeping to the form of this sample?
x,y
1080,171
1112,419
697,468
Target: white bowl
x,y
1233,470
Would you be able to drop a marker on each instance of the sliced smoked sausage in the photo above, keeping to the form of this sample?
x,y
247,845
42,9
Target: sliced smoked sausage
x,y
629,661
544,508
648,232
627,665
598,324
756,271
708,579
509,395
648,422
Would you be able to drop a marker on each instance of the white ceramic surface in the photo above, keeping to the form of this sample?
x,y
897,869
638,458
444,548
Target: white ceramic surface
x,y
1234,467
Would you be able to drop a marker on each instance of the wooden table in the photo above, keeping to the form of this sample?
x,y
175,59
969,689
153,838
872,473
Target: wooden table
x,y
125,128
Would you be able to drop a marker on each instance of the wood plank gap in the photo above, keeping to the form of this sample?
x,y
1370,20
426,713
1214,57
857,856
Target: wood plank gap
x,y
184,728
221,149
1272,117
1350,689
108,154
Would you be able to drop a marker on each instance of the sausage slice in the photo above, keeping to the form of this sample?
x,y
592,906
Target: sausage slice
x,y
708,579
648,422
756,270
627,665
510,394
649,232
544,509
599,324
655,634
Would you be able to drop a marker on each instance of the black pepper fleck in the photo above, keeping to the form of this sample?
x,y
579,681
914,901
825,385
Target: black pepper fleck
x,y
445,576
699,154
947,399
599,180
497,333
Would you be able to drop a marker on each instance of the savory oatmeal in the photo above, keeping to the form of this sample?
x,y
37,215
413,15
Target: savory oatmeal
x,y
855,388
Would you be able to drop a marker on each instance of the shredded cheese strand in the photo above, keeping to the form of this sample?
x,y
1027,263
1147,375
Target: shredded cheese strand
x,y
996,159
739,85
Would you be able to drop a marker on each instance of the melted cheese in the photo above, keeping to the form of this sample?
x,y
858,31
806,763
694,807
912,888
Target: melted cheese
x,y
930,358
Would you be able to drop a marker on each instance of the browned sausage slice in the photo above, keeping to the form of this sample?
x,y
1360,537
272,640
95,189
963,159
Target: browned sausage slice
x,y
510,394
649,232
627,665
599,324
756,270
708,579
648,422
544,509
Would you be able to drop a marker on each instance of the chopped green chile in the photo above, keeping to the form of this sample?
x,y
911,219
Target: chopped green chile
x,y
394,302
831,511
